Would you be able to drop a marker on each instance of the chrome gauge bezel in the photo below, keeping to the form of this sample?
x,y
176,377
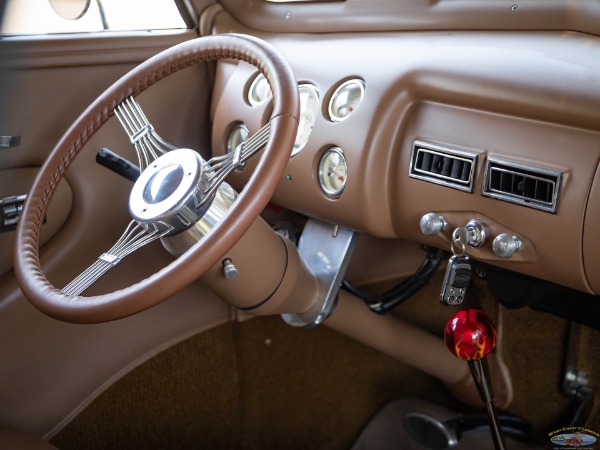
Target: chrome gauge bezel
x,y
254,96
327,187
354,82
308,92
233,137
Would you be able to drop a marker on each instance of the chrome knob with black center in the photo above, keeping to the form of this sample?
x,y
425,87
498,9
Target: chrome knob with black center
x,y
168,193
506,245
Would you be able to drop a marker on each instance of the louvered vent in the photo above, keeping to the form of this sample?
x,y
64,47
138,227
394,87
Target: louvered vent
x,y
441,165
524,185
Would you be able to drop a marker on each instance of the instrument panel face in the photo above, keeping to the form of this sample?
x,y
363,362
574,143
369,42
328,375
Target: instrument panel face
x,y
362,117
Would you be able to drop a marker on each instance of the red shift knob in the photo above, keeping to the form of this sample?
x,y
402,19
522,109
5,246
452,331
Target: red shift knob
x,y
470,334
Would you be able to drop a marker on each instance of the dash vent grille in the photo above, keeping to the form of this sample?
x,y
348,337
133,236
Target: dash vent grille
x,y
525,185
444,166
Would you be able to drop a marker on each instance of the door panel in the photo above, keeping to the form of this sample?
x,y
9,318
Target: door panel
x,y
15,184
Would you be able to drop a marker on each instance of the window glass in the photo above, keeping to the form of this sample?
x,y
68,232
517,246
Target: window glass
x,y
38,17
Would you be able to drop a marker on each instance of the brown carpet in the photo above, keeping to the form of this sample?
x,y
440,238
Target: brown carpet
x,y
185,398
261,384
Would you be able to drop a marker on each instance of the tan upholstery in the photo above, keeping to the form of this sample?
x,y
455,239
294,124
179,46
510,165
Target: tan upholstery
x,y
15,440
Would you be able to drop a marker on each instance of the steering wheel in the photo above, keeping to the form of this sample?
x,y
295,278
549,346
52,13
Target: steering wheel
x,y
277,137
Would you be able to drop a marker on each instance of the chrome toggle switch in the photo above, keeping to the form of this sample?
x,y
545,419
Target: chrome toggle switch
x,y
230,271
432,224
506,245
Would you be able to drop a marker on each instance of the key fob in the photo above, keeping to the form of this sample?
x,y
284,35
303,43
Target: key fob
x,y
456,280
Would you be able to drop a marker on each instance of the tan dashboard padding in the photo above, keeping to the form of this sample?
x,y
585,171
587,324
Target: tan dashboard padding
x,y
386,15
527,98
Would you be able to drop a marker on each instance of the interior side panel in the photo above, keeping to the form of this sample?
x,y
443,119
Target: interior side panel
x,y
50,369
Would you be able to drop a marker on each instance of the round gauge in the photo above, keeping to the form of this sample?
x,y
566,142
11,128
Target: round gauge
x,y
238,134
309,106
346,99
259,91
332,172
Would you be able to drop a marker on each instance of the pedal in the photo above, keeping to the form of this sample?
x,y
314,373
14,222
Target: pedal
x,y
576,386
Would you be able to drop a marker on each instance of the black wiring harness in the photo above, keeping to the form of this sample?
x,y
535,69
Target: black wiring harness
x,y
383,303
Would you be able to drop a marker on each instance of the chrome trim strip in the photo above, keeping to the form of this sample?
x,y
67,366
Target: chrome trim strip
x,y
443,180
556,182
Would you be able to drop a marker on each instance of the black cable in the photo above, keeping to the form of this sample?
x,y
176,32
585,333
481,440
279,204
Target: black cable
x,y
383,303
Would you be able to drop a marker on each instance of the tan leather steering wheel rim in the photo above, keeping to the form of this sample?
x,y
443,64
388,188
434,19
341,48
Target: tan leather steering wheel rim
x,y
188,267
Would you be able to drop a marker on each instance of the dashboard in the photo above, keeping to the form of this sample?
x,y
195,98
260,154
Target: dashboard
x,y
488,128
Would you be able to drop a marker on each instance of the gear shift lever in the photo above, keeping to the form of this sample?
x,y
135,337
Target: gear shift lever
x,y
470,335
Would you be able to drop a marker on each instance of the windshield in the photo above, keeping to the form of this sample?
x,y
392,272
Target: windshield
x,y
38,17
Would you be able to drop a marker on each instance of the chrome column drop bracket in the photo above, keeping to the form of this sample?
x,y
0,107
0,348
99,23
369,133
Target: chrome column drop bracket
x,y
326,249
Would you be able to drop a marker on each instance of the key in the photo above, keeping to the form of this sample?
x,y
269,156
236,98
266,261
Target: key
x,y
460,238
456,280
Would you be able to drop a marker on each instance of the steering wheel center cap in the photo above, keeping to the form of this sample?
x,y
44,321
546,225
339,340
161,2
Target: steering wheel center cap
x,y
168,191
163,184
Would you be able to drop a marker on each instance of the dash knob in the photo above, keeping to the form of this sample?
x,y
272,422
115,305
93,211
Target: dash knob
x,y
432,224
506,245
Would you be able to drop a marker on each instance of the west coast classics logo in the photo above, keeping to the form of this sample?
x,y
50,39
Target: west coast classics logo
x,y
574,437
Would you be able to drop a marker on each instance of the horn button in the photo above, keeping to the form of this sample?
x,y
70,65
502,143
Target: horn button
x,y
168,192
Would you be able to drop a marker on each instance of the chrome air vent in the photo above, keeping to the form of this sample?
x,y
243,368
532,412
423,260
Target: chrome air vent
x,y
441,165
521,184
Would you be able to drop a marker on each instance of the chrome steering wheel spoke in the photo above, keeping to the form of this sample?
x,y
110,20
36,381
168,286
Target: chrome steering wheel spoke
x,y
135,237
149,147
147,143
219,167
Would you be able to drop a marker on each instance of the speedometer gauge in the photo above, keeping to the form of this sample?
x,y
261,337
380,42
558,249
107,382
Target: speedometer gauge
x,y
346,99
260,91
309,107
332,172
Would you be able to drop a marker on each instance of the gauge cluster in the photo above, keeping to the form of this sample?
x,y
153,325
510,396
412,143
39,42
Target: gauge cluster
x,y
344,98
